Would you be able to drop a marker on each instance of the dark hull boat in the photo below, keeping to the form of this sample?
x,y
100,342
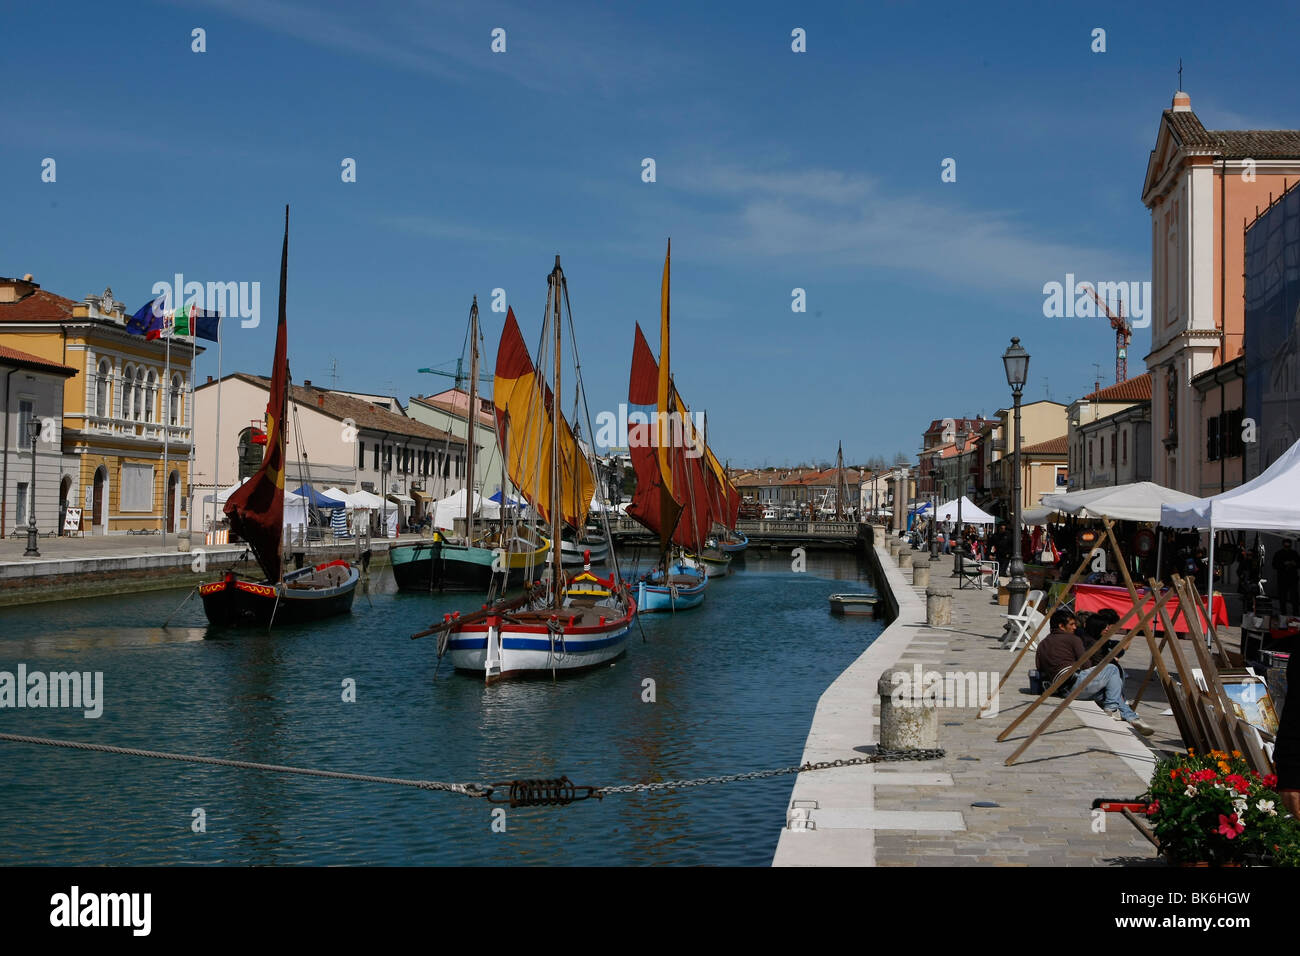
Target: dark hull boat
x,y
442,565
256,514
305,595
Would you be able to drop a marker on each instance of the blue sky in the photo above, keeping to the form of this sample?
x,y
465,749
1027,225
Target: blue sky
x,y
775,170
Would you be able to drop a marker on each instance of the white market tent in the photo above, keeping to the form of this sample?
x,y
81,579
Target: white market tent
x,y
1036,516
364,499
970,512
224,493
1270,502
453,506
1140,501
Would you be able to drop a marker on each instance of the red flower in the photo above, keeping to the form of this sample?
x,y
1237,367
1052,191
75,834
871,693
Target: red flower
x,y
1270,780
1229,827
1202,775
1239,783
1153,807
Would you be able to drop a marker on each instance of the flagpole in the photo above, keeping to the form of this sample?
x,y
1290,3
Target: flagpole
x,y
216,464
189,468
167,366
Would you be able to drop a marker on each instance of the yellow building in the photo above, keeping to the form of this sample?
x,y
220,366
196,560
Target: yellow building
x,y
127,418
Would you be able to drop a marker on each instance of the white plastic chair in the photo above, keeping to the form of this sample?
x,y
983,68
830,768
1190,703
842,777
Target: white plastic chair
x,y
1026,622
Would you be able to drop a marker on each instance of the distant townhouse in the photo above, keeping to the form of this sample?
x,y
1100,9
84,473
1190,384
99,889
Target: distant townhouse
x,y
1109,435
333,439
33,392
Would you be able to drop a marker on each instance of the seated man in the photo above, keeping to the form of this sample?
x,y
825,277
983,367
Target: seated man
x,y
1060,649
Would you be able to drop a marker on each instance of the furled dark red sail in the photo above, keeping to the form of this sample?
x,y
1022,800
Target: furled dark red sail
x,y
256,509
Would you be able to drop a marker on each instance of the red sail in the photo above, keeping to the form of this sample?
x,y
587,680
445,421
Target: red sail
x,y
256,509
683,516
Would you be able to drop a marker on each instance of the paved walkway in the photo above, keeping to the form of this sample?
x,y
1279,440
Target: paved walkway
x,y
921,813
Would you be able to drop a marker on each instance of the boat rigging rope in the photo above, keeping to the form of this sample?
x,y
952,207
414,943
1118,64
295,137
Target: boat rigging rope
x,y
557,791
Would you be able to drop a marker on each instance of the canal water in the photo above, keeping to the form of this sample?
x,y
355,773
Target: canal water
x,y
736,682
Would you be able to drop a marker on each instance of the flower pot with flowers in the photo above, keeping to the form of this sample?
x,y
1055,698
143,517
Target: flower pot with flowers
x,y
1214,809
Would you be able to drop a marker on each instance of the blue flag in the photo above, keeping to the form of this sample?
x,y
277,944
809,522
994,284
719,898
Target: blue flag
x,y
150,318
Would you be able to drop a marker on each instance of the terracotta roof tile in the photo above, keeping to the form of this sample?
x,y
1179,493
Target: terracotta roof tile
x,y
40,306
1234,143
363,413
1053,446
28,360
1137,389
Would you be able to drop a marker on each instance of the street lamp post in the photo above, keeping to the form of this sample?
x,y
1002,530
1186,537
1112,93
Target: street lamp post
x,y
1016,361
33,434
957,563
934,514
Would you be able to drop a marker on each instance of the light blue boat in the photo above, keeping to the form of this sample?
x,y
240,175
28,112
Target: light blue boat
x,y
681,588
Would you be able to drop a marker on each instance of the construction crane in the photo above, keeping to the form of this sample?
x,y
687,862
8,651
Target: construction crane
x,y
1123,334
460,375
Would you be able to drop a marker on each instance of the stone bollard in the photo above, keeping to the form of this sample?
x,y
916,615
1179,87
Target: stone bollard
x,y
905,557
920,570
894,543
906,722
938,605
183,541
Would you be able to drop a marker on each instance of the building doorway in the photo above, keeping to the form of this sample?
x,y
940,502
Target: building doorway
x,y
65,489
99,502
173,501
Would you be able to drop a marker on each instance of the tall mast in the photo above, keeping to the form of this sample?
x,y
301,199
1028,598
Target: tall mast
x,y
472,419
557,277
840,486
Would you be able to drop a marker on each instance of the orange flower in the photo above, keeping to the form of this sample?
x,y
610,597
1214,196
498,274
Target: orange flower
x,y
1223,765
1236,753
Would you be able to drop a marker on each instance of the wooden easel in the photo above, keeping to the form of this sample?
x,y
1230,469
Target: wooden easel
x,y
1143,627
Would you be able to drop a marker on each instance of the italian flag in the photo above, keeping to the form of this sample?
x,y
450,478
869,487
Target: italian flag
x,y
181,323
174,323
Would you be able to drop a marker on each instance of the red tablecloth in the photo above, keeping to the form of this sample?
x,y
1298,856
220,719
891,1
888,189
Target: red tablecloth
x,y
1094,597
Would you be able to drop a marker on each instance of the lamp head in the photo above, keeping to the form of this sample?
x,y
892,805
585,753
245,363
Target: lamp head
x,y
1016,361
33,429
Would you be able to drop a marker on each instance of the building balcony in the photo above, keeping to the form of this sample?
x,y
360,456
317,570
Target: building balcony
x,y
147,431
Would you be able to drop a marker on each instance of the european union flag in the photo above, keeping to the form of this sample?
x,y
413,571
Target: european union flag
x,y
150,318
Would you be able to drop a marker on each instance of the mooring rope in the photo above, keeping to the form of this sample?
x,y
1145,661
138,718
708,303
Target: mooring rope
x,y
468,789
558,791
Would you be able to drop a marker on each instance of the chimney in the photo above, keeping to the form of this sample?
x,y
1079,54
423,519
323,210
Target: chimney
x,y
1182,102
320,401
306,383
209,379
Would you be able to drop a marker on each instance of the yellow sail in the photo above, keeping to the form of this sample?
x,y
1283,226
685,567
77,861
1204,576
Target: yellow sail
x,y
525,419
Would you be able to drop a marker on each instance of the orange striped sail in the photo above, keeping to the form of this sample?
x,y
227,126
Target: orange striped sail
x,y
525,412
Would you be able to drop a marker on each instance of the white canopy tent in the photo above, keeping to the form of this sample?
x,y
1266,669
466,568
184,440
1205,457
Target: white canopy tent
x,y
1269,502
1140,501
295,506
1036,516
224,493
448,509
364,499
970,512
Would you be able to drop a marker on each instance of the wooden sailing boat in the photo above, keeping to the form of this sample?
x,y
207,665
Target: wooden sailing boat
x,y
559,625
502,557
256,513
671,487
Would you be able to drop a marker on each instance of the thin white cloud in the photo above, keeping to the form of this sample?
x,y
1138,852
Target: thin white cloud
x,y
832,219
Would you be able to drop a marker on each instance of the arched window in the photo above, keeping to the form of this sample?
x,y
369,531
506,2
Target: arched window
x,y
103,392
128,383
151,387
138,395
175,408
